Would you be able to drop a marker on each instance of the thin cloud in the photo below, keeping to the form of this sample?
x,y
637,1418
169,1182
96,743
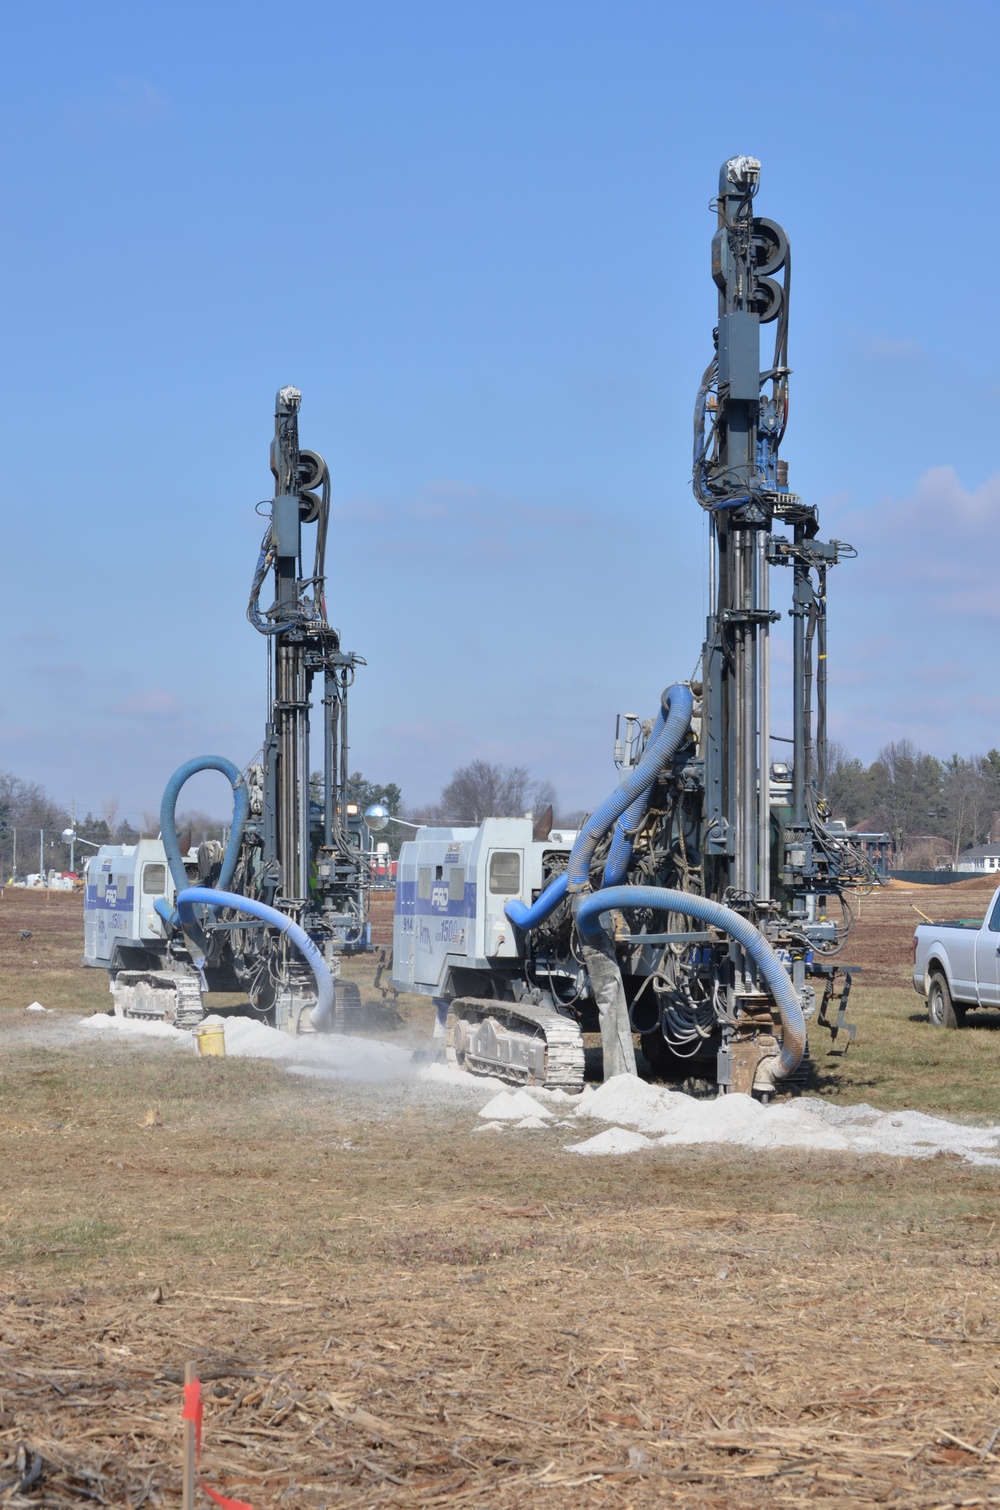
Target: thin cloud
x,y
153,702
911,619
132,99
454,489
461,522
888,349
64,671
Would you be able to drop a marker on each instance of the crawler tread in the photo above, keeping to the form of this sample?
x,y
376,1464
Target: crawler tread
x,y
564,1063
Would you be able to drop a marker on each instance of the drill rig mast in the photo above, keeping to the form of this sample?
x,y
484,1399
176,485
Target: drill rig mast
x,y
302,646
703,827
740,420
271,914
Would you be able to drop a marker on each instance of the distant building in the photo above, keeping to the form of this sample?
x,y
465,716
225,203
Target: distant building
x,y
983,857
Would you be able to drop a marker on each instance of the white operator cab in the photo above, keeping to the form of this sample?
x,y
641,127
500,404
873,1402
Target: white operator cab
x,y
452,885
123,882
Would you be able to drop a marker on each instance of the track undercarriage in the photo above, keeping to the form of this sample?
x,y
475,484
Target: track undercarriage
x,y
158,996
517,1042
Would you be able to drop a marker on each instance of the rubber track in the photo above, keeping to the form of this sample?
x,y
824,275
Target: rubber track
x,y
563,1040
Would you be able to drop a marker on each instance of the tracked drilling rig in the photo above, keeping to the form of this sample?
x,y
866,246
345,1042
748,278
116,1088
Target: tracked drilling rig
x,y
271,913
700,905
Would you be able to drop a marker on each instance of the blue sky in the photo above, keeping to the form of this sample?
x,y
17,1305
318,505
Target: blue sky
x,y
476,235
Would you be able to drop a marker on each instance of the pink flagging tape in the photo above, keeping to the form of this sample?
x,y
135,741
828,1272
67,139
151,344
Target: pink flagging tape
x,y
194,1411
220,1499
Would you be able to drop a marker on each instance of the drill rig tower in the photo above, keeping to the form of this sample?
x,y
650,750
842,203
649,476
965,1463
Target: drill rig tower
x,y
302,646
736,850
740,419
271,913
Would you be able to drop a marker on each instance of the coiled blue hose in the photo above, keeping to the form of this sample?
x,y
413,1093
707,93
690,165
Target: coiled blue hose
x,y
658,899
623,839
212,897
663,743
680,701
168,808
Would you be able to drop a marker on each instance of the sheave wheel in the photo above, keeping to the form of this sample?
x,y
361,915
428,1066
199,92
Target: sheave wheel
x,y
940,1009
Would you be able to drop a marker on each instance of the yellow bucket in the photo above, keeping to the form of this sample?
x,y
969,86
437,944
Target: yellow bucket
x,y
211,1039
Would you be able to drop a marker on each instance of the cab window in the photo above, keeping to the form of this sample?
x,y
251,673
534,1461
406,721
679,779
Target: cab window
x,y
505,873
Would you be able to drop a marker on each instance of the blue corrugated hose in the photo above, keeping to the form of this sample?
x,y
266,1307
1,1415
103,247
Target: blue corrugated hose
x,y
623,839
657,899
680,701
527,917
626,804
189,898
168,807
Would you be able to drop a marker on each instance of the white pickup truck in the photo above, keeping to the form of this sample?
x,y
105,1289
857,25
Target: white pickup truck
x,y
957,965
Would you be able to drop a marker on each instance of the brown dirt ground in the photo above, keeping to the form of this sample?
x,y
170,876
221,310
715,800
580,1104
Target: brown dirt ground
x,y
387,1311
881,942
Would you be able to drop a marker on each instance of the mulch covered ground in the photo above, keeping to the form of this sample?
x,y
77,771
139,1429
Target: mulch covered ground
x,y
389,1309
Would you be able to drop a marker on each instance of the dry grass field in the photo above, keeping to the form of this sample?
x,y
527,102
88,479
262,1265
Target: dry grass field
x,y
388,1310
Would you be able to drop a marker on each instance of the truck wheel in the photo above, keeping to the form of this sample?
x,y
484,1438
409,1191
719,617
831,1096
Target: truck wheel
x,y
940,1009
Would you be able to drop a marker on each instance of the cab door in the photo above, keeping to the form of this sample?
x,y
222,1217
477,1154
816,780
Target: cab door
x,y
988,959
504,868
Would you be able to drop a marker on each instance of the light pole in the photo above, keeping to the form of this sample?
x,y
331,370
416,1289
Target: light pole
x,y
378,816
71,836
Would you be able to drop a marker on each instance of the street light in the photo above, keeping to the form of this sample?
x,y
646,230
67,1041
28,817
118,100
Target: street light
x,y
378,816
71,837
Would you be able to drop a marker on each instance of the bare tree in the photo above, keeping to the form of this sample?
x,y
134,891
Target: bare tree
x,y
110,811
483,790
967,791
200,825
27,809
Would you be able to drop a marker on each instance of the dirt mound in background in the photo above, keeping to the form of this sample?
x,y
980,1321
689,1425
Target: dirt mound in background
x,y
974,883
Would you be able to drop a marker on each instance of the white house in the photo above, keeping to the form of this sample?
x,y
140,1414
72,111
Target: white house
x,y
984,857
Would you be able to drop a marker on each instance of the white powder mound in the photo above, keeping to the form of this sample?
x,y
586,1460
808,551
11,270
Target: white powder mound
x,y
492,1127
914,1135
338,1055
35,1006
676,1120
136,1027
333,1055
624,1098
554,1098
615,1140
739,1119
512,1106
640,1114
450,1074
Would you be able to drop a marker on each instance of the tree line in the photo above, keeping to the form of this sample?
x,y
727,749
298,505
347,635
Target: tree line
x,y
921,802
916,798
32,825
